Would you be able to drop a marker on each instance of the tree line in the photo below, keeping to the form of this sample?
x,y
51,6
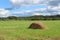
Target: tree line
x,y
36,17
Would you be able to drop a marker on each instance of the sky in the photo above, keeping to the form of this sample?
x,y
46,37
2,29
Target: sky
x,y
29,7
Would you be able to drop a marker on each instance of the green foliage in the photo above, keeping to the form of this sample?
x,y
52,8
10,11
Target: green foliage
x,y
40,17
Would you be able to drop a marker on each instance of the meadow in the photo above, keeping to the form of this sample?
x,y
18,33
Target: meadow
x,y
18,30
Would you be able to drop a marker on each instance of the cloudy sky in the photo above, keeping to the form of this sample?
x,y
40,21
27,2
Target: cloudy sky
x,y
29,7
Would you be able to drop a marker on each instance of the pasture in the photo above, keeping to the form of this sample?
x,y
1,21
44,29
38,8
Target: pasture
x,y
18,30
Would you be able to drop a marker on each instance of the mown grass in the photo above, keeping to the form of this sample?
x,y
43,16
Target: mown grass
x,y
18,30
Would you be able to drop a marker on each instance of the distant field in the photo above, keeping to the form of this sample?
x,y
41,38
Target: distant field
x,y
18,30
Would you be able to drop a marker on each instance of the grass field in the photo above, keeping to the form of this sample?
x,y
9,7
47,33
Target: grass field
x,y
18,30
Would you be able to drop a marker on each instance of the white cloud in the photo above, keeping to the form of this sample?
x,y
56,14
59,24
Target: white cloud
x,y
4,13
53,10
53,6
27,11
40,9
35,13
33,2
18,3
18,13
59,13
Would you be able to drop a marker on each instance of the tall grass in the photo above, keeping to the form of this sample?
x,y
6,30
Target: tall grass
x,y
13,30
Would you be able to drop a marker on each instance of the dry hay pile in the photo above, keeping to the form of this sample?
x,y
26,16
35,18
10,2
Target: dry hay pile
x,y
37,25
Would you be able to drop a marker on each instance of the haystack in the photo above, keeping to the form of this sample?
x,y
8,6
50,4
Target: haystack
x,y
38,25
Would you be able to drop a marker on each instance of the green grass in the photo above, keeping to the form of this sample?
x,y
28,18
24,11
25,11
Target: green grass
x,y
14,30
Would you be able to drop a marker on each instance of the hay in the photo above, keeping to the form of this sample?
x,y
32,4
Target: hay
x,y
37,25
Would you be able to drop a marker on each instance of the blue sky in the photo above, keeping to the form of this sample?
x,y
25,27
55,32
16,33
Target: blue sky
x,y
44,7
7,4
